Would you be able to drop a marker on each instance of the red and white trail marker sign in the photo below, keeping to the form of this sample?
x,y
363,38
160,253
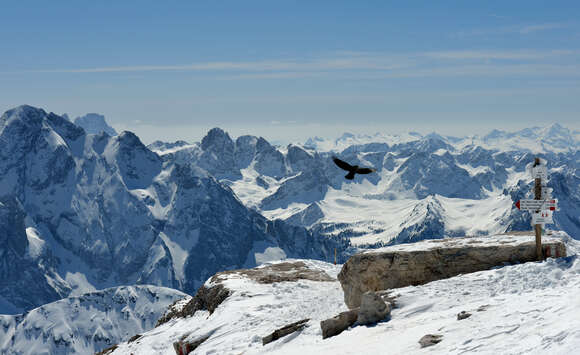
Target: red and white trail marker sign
x,y
542,217
537,205
542,205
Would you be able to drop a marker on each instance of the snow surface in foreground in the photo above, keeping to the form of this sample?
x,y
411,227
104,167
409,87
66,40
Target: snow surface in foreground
x,y
529,308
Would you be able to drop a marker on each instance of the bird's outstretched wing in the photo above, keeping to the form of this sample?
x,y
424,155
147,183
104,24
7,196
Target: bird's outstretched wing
x,y
365,170
342,164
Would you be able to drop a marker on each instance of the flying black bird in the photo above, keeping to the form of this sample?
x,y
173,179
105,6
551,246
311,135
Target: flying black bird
x,y
352,169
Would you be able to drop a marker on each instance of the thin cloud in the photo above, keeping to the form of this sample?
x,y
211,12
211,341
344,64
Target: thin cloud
x,y
514,29
512,55
542,27
368,65
339,63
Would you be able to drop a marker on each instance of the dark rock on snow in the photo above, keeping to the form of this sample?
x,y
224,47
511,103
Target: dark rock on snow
x,y
286,330
430,340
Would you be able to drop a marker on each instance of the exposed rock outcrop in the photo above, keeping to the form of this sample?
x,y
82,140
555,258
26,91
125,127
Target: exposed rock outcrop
x,y
206,298
419,263
375,307
286,271
210,295
285,330
372,309
430,340
184,347
336,325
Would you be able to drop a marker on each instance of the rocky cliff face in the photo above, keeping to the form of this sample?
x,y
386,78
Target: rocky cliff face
x,y
88,211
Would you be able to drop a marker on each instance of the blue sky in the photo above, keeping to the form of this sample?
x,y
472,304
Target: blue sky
x,y
288,70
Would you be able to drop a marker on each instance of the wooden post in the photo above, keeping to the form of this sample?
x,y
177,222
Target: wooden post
x,y
538,227
334,256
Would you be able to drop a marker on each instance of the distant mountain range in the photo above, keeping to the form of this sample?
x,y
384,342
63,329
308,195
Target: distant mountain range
x,y
550,139
93,123
425,186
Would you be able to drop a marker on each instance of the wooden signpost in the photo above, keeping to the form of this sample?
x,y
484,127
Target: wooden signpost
x,y
538,196
542,205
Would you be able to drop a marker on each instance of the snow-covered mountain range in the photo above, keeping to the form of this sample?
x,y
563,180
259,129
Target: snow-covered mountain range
x,y
86,323
425,186
93,123
553,138
82,211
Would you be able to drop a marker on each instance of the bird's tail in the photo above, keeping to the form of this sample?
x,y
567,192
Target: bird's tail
x,y
350,175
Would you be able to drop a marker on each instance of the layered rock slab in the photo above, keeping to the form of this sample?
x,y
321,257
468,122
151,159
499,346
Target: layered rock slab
x,y
430,260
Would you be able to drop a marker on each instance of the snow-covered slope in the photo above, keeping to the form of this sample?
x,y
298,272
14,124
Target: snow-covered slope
x,y
87,323
80,212
93,123
529,308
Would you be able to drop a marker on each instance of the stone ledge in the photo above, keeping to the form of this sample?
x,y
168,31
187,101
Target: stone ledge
x,y
430,260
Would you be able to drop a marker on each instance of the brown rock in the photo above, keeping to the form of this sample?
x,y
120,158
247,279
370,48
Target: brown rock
x,y
133,338
286,330
372,309
206,298
336,325
108,350
277,273
184,347
463,315
430,339
422,262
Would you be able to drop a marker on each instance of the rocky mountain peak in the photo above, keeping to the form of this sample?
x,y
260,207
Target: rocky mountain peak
x,y
218,140
26,115
94,123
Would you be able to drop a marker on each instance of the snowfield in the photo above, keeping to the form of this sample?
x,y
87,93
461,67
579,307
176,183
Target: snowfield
x,y
530,308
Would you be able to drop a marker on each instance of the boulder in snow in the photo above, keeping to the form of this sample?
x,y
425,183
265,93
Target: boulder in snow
x,y
372,309
430,260
463,315
336,325
430,339
184,347
207,298
285,330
